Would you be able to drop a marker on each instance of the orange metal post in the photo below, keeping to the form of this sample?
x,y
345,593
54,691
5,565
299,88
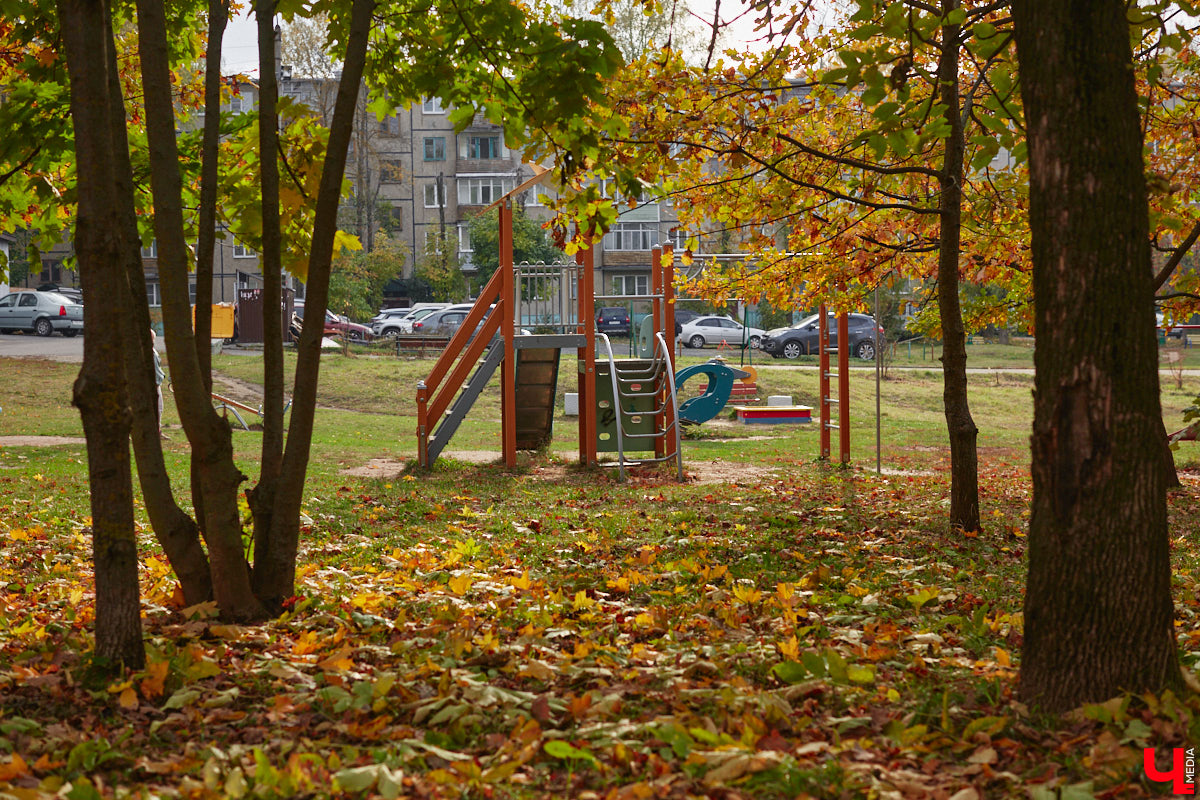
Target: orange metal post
x,y
656,317
843,345
823,368
587,374
668,328
422,425
505,308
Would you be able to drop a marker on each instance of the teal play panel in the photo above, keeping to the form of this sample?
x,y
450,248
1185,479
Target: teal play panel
x,y
637,379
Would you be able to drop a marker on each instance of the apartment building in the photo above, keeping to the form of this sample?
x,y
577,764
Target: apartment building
x,y
420,182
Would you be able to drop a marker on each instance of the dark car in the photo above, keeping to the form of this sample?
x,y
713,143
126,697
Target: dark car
x,y
70,292
613,319
801,339
682,317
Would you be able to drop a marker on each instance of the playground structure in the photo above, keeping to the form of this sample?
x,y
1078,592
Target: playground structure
x,y
843,385
625,405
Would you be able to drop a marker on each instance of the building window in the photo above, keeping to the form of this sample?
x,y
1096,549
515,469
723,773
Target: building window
x,y
483,147
631,236
679,237
433,240
631,284
433,197
464,238
242,251
391,170
481,191
433,106
435,148
151,251
152,293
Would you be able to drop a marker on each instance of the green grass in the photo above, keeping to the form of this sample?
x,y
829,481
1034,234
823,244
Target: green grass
x,y
804,631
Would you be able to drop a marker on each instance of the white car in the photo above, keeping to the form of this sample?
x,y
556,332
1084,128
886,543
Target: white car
x,y
718,330
393,321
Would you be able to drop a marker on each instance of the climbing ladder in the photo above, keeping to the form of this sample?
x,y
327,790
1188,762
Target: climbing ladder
x,y
842,401
637,407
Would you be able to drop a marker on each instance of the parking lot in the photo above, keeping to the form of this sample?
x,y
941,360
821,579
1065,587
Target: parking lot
x,y
28,345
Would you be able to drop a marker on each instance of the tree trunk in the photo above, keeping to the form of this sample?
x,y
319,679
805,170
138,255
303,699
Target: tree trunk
x,y
262,497
209,435
100,392
275,574
176,532
964,456
1098,613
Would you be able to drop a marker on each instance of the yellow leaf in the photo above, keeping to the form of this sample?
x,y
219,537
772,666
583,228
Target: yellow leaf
x,y
583,601
337,662
747,594
14,768
229,632
156,674
522,582
790,649
1002,657
460,584
129,698
621,585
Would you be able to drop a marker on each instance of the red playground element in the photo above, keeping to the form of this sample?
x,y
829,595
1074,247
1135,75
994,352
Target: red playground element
x,y
773,415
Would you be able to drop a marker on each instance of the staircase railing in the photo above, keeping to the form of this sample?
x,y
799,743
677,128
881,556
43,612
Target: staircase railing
x,y
453,368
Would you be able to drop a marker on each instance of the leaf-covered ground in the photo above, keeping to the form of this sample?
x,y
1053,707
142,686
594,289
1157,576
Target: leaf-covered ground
x,y
479,633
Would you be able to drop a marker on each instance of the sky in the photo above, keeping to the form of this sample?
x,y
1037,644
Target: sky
x,y
240,49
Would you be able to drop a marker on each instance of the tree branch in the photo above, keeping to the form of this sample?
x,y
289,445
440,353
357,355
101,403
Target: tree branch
x,y
1176,257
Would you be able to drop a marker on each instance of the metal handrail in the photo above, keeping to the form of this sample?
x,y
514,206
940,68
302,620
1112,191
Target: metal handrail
x,y
612,375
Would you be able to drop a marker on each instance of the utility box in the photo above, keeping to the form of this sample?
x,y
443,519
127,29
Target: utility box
x,y
222,320
250,314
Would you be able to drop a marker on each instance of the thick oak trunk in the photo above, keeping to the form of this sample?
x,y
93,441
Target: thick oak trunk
x,y
100,391
1098,614
964,456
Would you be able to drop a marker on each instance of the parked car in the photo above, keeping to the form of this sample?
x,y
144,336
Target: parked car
x,y
443,322
613,319
394,321
336,325
801,339
684,316
40,312
718,329
69,292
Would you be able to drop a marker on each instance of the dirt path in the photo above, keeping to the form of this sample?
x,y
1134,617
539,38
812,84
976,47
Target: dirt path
x,y
39,441
700,472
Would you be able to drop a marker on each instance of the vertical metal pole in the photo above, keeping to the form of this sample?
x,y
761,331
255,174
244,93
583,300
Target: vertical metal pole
x,y
879,345
587,371
422,425
508,369
843,346
823,369
661,395
668,330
